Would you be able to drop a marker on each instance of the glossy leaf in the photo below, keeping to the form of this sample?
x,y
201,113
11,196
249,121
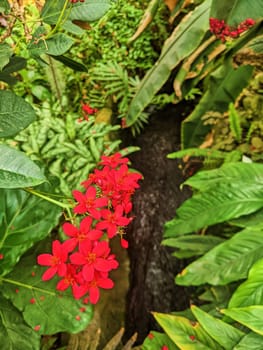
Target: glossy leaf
x,y
17,170
156,340
231,191
224,334
186,334
5,54
234,12
251,291
225,85
251,341
14,332
39,302
229,261
249,316
77,66
88,11
197,244
15,114
185,39
24,220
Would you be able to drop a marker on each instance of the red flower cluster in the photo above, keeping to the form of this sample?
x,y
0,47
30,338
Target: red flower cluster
x,y
87,110
223,30
84,260
74,1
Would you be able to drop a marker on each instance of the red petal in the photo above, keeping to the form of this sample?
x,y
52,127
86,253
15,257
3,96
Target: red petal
x,y
94,235
88,272
77,259
101,249
47,275
79,196
62,284
85,224
70,230
94,295
102,265
91,192
105,283
44,259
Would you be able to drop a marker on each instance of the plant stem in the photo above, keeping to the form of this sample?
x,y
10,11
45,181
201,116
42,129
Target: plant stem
x,y
20,284
51,200
60,19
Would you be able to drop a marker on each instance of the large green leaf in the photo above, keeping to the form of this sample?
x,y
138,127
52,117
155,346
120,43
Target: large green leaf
x,y
224,334
225,84
41,305
251,341
231,191
249,316
17,170
88,11
15,334
24,220
251,291
5,54
185,39
234,12
185,334
156,340
229,261
15,114
15,64
233,173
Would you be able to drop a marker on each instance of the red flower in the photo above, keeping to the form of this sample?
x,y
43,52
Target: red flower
x,y
111,220
89,203
56,260
84,232
95,284
70,279
114,160
94,256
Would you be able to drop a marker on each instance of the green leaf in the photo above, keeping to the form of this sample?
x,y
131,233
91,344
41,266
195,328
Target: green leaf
x,y
229,261
224,334
24,220
198,244
186,334
14,332
88,11
17,170
77,66
5,54
185,39
231,191
251,220
234,12
251,291
155,341
225,84
249,316
15,64
15,114
251,341
39,302
235,122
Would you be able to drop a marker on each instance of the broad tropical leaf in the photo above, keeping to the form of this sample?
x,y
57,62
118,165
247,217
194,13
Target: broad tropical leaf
x,y
17,170
15,114
249,316
40,304
224,334
186,334
14,332
24,220
234,12
229,261
156,340
5,54
251,291
251,341
185,39
225,84
231,191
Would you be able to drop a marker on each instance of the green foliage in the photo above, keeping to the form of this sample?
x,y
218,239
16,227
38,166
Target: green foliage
x,y
39,303
17,170
156,340
16,114
179,45
14,332
25,220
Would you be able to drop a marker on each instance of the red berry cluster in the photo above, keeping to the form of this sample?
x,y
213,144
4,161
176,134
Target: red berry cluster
x,y
74,1
223,31
84,260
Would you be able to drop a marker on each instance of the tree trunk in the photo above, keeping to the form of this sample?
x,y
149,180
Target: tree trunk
x,y
152,267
